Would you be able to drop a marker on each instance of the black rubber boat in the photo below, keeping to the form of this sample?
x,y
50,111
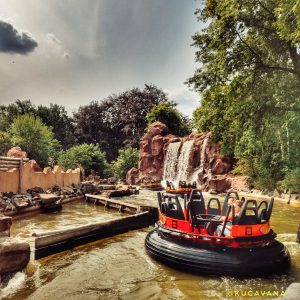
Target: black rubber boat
x,y
182,239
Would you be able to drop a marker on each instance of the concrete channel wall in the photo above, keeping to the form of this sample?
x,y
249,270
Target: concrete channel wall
x,y
18,180
57,241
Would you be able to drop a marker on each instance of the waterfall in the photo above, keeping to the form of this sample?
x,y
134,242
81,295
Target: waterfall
x,y
183,164
170,167
203,154
177,165
200,169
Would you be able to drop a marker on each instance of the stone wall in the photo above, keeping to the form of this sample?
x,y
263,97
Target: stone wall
x,y
31,177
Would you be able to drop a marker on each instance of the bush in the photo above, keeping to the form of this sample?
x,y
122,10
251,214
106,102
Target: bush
x,y
5,142
128,158
291,181
87,156
170,116
28,132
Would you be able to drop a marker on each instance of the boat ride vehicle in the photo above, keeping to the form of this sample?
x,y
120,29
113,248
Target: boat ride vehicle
x,y
190,236
152,186
183,187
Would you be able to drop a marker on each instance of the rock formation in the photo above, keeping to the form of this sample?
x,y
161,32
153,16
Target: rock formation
x,y
193,158
16,152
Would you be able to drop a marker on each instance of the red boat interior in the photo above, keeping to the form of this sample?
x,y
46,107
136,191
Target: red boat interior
x,y
189,216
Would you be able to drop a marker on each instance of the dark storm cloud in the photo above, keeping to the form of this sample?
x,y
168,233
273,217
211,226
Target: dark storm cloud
x,y
12,41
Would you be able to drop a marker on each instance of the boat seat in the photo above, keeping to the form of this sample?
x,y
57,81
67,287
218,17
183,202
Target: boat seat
x,y
196,208
248,214
225,204
262,210
160,200
173,208
214,210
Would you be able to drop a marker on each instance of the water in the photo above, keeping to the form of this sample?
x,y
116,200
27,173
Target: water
x,y
170,167
183,161
119,268
177,166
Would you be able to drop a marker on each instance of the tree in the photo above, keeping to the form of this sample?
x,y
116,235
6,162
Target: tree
x,y
10,112
5,142
249,81
166,113
128,158
118,121
54,116
28,132
62,125
86,156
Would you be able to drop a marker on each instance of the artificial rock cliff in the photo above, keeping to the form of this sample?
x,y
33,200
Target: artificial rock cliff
x,y
193,158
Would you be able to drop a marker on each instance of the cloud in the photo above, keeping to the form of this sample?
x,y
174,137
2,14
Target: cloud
x,y
187,100
55,46
14,42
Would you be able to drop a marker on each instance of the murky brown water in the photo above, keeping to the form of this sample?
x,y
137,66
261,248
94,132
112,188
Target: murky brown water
x,y
119,268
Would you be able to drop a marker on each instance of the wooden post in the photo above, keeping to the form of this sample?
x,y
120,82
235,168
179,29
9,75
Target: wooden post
x,y
298,235
20,175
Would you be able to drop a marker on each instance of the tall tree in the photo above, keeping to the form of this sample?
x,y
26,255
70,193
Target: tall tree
x,y
54,116
118,121
62,125
250,81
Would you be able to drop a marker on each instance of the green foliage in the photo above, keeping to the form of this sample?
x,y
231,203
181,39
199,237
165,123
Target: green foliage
x,y
86,156
166,113
249,82
5,142
28,132
54,116
127,159
118,121
291,181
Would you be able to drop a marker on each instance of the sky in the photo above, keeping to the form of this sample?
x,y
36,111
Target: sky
x,y
72,52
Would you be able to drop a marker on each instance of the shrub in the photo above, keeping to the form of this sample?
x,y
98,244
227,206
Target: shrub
x,y
28,132
87,156
5,142
127,159
170,116
291,181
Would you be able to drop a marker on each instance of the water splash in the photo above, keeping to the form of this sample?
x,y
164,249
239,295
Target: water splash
x,y
16,282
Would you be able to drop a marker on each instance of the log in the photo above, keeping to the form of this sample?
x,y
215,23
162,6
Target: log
x,y
58,241
114,204
4,169
298,235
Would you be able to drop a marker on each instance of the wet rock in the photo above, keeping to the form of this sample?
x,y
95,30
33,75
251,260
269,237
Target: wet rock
x,y
221,166
132,176
111,180
218,184
36,190
14,255
90,188
21,201
5,224
125,191
50,202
